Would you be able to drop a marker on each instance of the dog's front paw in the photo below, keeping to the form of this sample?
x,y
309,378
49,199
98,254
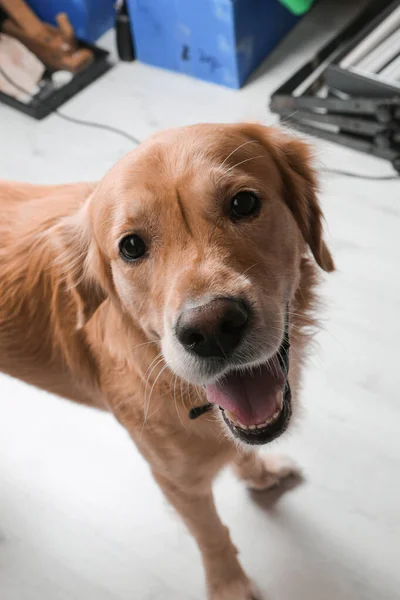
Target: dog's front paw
x,y
272,471
236,590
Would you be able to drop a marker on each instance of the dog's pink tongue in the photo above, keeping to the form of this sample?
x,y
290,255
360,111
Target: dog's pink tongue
x,y
253,396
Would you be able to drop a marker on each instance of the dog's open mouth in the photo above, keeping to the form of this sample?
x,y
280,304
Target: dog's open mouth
x,y
256,402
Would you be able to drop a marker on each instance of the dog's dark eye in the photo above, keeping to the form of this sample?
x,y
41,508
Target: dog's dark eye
x,y
132,247
244,204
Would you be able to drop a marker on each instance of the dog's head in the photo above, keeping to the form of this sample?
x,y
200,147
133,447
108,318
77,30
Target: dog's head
x,y
198,235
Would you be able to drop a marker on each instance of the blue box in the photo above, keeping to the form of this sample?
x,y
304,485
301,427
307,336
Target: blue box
x,y
89,18
221,41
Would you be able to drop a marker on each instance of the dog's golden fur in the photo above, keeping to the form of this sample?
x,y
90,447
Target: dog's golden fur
x,y
77,322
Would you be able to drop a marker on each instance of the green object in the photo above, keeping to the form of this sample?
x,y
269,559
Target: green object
x,y
298,7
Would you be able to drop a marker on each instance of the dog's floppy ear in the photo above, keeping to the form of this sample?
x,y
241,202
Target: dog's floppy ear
x,y
293,159
80,265
301,197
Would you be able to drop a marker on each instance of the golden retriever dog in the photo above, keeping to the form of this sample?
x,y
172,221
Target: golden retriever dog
x,y
169,293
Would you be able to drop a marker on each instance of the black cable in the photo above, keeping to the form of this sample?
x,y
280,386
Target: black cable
x,y
137,142
360,175
103,126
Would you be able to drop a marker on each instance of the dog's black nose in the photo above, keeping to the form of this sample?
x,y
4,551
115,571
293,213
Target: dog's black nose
x,y
214,328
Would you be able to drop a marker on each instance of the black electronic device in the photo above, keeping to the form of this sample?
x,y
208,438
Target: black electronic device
x,y
340,103
49,98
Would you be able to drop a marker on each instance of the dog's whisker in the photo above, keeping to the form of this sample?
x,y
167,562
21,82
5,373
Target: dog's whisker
x,y
244,161
153,365
189,395
154,384
144,344
174,388
176,405
247,270
236,149
180,390
201,398
152,362
147,403
284,120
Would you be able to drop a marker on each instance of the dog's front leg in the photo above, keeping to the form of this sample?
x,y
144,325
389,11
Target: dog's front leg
x,y
225,577
262,472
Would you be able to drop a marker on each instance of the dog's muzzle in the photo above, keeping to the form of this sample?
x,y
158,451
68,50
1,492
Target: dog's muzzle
x,y
272,398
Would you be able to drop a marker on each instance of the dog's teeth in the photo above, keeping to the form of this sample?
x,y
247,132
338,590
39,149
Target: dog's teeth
x,y
238,425
268,421
234,420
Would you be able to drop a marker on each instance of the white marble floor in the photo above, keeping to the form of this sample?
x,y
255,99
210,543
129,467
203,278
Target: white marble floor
x,y
80,517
